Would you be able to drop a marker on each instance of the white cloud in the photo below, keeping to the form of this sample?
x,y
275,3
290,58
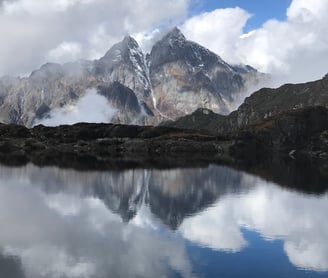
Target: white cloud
x,y
214,229
65,51
31,30
146,40
295,49
34,32
218,30
102,111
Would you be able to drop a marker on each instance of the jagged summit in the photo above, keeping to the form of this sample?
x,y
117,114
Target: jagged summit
x,y
129,40
125,63
174,46
125,54
168,49
122,51
175,36
48,70
243,68
129,44
178,77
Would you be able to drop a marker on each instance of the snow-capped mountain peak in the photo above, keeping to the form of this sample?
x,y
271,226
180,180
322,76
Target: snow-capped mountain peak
x,y
175,37
178,77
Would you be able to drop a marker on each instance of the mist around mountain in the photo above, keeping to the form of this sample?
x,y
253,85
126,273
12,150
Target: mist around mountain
x,y
174,79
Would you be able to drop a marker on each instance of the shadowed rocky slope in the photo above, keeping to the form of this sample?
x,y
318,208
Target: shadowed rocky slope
x,y
261,105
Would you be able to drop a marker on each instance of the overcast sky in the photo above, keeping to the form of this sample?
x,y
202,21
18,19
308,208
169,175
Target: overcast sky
x,y
285,37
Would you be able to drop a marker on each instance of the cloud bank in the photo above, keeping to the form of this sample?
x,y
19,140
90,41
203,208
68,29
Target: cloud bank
x,y
91,108
296,49
34,32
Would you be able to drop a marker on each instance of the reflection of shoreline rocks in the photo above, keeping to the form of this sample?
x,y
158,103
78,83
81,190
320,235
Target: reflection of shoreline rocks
x,y
303,131
302,134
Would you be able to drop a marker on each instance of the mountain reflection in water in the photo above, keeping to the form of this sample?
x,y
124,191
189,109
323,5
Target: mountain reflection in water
x,y
154,223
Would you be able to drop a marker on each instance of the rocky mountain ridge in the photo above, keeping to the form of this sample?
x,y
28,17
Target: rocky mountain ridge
x,y
262,105
175,78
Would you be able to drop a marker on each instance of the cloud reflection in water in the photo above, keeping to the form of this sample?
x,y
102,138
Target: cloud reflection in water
x,y
63,223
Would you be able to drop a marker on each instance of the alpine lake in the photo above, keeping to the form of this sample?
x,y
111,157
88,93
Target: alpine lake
x,y
209,221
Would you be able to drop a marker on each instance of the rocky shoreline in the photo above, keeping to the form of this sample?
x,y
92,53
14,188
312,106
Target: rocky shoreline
x,y
103,143
298,137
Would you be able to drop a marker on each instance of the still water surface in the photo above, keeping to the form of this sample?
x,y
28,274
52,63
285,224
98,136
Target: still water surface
x,y
210,222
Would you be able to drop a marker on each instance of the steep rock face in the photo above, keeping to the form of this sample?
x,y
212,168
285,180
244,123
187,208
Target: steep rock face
x,y
294,129
121,76
177,77
269,102
186,76
125,63
129,108
51,86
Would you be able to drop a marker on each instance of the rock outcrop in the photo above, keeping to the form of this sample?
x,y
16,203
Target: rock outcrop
x,y
266,103
261,105
300,132
108,143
